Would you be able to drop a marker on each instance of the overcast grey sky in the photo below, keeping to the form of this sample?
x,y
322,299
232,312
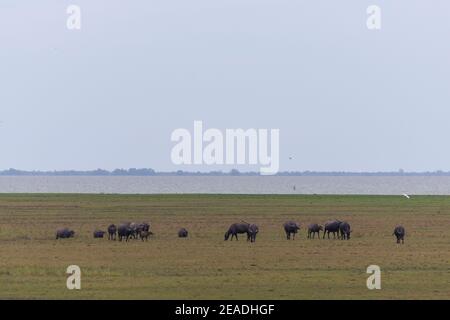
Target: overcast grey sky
x,y
109,95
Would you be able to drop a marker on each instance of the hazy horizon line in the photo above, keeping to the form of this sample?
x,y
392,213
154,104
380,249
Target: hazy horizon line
x,y
232,172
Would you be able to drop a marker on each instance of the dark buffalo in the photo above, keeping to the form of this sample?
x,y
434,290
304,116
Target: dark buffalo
x,y
235,229
333,227
134,229
345,231
313,229
64,233
252,232
99,234
125,231
112,232
399,232
291,227
183,233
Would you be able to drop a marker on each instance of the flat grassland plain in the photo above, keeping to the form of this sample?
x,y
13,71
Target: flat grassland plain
x,y
204,266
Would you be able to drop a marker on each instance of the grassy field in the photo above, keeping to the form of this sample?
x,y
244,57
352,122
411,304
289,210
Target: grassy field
x,y
33,263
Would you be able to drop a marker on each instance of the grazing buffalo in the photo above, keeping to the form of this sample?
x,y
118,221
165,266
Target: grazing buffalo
x,y
112,232
64,233
333,227
124,231
252,232
134,229
235,229
183,233
344,228
291,227
399,232
313,229
99,234
144,235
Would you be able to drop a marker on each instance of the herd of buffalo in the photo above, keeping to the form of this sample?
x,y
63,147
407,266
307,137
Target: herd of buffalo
x,y
132,230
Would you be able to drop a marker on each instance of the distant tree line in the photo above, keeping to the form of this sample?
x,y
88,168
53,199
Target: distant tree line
x,y
150,172
98,172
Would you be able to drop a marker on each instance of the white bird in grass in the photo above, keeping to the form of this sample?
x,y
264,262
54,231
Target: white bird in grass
x,y
406,196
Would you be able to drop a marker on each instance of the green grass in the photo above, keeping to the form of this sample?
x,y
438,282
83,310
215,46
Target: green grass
x,y
33,263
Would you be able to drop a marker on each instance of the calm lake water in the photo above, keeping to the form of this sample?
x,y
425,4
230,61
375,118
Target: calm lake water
x,y
428,185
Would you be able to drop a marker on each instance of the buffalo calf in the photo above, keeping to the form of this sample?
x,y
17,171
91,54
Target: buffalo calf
x,y
144,235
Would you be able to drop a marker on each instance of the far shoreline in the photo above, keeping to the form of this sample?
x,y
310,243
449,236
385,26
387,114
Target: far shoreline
x,y
147,172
